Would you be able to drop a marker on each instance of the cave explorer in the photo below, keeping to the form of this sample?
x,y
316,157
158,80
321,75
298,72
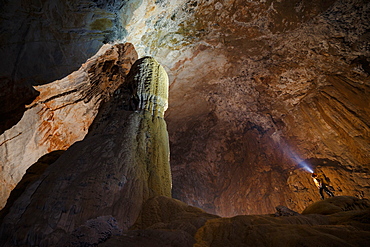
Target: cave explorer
x,y
322,182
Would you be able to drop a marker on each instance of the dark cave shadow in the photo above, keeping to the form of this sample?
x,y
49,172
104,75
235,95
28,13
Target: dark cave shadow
x,y
14,96
31,175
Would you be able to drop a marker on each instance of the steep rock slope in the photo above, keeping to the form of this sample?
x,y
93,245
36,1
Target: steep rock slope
x,y
97,187
344,227
62,113
173,223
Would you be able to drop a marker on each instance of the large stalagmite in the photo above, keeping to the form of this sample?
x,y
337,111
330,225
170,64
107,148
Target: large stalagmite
x,y
97,187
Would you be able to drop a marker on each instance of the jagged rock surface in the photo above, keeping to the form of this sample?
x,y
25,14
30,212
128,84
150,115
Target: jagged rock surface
x,y
97,187
62,113
336,204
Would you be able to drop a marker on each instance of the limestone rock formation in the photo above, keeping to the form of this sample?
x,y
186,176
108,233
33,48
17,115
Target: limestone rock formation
x,y
256,89
62,113
163,221
97,187
348,228
169,222
336,204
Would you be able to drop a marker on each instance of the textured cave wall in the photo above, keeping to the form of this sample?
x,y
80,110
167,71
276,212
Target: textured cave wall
x,y
60,35
255,88
98,186
45,40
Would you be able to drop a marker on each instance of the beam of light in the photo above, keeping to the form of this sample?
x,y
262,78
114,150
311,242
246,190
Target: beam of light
x,y
300,162
305,166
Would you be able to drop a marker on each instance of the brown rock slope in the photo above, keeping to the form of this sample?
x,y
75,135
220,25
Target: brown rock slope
x,y
97,187
168,222
346,227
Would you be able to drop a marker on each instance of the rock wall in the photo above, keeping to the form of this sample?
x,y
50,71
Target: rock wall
x,y
53,38
62,113
257,88
98,186
47,40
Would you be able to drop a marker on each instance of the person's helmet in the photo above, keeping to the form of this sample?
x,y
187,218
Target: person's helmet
x,y
314,175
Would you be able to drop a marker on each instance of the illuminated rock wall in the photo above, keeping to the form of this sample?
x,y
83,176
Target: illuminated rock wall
x,y
62,113
100,183
256,88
